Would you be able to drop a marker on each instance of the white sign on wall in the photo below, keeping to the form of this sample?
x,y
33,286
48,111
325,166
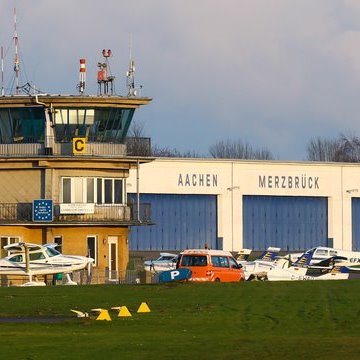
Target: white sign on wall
x,y
77,208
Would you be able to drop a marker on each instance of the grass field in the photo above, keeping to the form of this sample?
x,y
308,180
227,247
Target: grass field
x,y
257,320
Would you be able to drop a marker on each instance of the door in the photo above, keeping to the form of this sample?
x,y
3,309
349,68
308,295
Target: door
x,y
113,258
294,223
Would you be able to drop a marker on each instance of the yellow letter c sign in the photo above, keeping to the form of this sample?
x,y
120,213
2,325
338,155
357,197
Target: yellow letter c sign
x,y
79,146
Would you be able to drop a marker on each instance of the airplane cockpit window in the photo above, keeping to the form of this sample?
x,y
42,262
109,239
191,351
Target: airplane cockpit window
x,y
322,252
51,252
165,258
16,258
36,256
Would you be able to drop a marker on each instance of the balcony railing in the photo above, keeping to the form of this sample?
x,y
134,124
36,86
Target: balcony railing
x,y
20,213
31,147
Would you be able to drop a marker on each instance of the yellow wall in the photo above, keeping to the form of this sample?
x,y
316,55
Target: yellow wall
x,y
19,185
75,240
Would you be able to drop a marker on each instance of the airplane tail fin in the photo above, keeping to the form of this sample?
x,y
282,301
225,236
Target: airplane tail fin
x,y
243,255
304,259
269,254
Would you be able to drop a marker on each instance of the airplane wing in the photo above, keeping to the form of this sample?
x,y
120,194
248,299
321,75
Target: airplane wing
x,y
20,246
329,263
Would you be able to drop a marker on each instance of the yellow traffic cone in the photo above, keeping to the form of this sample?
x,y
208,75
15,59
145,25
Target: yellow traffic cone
x,y
124,312
143,308
103,314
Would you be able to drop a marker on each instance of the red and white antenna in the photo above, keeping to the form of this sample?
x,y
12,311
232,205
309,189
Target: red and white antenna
x,y
17,58
82,76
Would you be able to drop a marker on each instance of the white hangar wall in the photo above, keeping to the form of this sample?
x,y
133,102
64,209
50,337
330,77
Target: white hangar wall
x,y
324,192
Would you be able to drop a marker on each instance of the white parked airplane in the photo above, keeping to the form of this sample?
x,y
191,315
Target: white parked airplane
x,y
257,269
29,260
302,270
350,259
165,262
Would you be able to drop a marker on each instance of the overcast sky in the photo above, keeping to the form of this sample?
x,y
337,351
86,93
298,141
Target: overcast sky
x,y
273,73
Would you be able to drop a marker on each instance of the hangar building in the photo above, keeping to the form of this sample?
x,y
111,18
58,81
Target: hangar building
x,y
234,204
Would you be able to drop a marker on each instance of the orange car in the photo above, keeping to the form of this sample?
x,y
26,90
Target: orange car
x,y
211,265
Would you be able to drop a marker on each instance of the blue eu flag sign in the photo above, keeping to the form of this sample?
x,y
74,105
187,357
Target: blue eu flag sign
x,y
42,210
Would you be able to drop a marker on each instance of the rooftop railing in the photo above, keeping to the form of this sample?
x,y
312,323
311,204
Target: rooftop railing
x,y
33,147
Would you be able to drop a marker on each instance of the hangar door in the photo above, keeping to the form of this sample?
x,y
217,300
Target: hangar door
x,y
355,208
289,222
181,221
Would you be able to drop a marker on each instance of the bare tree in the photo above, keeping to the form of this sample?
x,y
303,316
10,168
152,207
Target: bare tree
x,y
136,143
350,148
319,149
238,150
167,152
342,149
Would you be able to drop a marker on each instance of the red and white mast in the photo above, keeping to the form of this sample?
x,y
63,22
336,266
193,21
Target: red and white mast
x,y
17,58
82,76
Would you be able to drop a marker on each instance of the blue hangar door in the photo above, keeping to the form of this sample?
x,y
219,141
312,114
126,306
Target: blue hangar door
x,y
181,222
355,209
289,222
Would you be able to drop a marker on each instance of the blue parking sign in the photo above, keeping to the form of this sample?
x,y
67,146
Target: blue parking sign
x,y
42,210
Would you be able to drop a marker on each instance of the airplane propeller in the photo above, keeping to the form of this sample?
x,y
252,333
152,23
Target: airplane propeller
x,y
89,272
80,314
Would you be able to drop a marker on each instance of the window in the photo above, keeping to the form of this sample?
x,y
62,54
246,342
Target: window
x,y
7,240
92,248
59,241
220,261
50,252
66,189
36,256
90,190
321,252
194,260
16,258
98,125
233,264
25,125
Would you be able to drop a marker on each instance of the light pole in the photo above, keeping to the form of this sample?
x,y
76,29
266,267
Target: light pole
x,y
232,188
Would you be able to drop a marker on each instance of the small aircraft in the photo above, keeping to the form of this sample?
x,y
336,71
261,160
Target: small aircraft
x,y
30,260
165,262
350,259
302,270
257,269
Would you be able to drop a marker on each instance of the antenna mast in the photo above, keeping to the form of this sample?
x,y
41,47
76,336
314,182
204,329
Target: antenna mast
x,y
16,59
82,75
103,78
130,74
2,72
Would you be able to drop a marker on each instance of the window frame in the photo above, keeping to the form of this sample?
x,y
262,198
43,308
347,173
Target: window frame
x,y
88,253
77,189
10,239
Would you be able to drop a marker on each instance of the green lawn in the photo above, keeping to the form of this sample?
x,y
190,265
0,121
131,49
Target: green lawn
x,y
257,320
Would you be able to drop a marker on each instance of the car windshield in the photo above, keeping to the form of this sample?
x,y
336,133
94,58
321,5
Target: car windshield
x,y
194,260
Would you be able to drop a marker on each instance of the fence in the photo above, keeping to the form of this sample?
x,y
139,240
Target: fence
x,y
97,277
